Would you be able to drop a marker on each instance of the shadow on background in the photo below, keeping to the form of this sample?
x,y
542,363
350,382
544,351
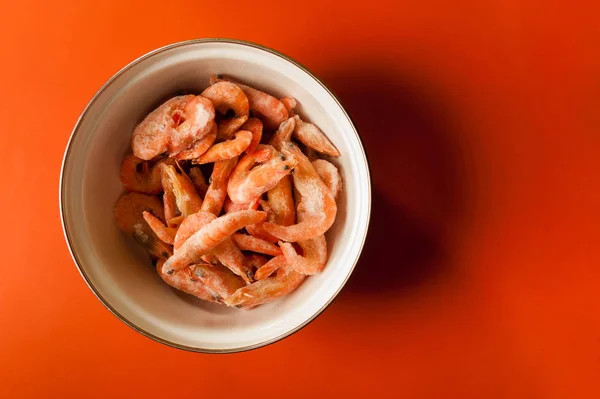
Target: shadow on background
x,y
420,191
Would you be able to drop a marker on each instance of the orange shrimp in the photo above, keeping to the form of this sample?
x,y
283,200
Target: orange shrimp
x,y
226,252
330,176
255,126
270,267
209,236
128,214
184,280
246,185
200,146
313,258
284,133
170,207
196,120
218,279
227,96
217,191
311,136
281,202
166,234
231,206
266,290
186,198
316,204
271,110
257,230
152,136
227,149
197,178
138,175
250,243
290,104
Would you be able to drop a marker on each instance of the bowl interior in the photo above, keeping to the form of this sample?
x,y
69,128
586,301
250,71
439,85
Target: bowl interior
x,y
120,272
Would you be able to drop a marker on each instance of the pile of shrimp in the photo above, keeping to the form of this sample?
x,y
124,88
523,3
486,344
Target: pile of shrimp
x,y
255,229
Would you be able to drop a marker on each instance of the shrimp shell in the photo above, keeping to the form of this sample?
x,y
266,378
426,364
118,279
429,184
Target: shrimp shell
x,y
255,126
198,116
227,149
311,136
209,236
218,279
185,281
317,206
228,96
186,198
266,290
166,234
314,255
330,176
200,146
152,136
250,243
245,185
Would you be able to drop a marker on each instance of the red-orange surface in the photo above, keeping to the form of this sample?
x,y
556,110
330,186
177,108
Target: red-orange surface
x,y
480,276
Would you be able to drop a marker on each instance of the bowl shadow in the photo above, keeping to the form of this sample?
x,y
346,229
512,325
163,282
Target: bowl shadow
x,y
421,190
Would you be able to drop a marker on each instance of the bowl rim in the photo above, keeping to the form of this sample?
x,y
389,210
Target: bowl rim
x,y
61,196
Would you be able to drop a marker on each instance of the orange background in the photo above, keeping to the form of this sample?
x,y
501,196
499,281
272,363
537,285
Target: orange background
x,y
481,272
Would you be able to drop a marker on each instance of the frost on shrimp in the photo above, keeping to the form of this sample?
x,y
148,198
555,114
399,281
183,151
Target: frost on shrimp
x,y
209,236
311,136
152,136
316,204
218,279
227,96
266,290
184,280
247,184
313,258
227,149
195,121
268,108
330,176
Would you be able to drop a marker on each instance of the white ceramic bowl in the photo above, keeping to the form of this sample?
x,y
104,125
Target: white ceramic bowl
x,y
119,273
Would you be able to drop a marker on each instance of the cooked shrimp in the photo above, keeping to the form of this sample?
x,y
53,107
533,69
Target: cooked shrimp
x,y
246,185
255,126
284,133
218,279
227,149
311,136
217,191
231,206
268,108
128,214
249,243
281,202
270,267
196,120
267,290
185,281
257,230
166,234
209,236
227,96
232,258
198,180
290,104
313,258
189,226
330,176
316,204
152,136
138,175
187,199
170,207
200,146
